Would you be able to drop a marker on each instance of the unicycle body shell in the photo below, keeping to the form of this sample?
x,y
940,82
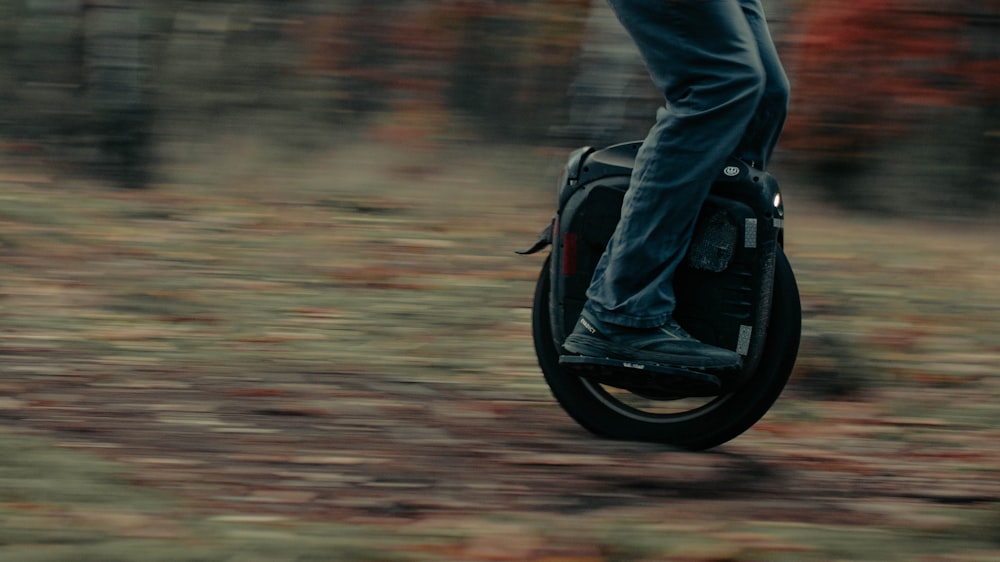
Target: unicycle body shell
x,y
725,288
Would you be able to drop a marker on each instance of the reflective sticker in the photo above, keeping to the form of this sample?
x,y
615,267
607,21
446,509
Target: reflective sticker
x,y
779,223
743,345
750,234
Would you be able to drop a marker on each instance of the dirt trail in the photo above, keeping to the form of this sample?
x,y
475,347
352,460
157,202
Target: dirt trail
x,y
352,347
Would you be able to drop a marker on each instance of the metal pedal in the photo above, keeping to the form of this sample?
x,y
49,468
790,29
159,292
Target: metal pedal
x,y
641,376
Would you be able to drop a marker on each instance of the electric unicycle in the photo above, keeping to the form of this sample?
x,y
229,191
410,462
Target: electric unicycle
x,y
735,290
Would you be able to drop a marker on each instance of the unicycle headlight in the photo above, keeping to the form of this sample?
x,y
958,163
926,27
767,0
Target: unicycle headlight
x,y
570,174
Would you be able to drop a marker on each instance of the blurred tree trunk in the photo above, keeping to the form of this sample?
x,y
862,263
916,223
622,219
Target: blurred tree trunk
x,y
515,62
9,18
45,68
116,84
611,98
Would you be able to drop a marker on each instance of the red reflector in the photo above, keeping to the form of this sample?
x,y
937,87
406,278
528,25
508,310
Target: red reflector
x,y
569,254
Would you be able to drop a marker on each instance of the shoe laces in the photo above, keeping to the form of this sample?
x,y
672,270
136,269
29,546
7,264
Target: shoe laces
x,y
674,331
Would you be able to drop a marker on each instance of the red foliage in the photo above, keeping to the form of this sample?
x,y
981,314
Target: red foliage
x,y
863,69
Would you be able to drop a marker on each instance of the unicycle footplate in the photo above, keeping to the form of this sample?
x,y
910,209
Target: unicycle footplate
x,y
644,376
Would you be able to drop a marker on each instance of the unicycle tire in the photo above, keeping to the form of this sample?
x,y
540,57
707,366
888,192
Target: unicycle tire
x,y
683,422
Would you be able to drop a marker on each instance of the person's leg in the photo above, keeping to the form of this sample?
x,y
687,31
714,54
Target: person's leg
x,y
702,54
762,134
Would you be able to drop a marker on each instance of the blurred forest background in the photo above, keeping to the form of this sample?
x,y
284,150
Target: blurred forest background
x,y
308,336
895,102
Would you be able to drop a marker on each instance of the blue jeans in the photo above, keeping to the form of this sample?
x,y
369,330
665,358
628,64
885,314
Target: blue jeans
x,y
726,94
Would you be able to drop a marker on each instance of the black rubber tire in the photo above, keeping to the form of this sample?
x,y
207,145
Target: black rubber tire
x,y
706,426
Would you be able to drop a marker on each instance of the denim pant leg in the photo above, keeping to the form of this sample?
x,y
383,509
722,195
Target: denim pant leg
x,y
703,55
764,129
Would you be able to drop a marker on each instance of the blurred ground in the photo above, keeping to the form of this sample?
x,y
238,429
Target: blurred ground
x,y
328,357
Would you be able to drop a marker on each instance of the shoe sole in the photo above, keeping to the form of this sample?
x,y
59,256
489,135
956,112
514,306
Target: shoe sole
x,y
643,376
596,348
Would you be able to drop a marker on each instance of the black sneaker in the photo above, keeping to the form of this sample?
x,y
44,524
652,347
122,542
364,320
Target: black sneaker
x,y
668,345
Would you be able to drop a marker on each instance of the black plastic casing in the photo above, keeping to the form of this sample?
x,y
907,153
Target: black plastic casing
x,y
723,288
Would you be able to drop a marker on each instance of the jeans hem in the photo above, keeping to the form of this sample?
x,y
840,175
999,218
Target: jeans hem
x,y
627,320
